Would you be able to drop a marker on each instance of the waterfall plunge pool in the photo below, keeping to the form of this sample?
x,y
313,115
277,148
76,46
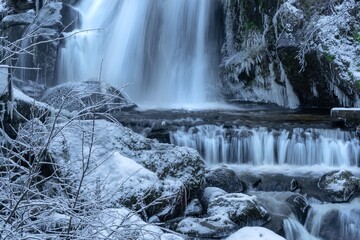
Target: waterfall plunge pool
x,y
269,148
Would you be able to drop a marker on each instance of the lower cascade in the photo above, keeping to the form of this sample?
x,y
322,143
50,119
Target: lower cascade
x,y
259,146
323,219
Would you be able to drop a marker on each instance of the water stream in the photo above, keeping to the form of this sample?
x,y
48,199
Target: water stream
x,y
261,146
166,53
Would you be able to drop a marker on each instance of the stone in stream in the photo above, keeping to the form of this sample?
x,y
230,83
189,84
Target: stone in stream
x,y
282,205
339,185
224,178
226,213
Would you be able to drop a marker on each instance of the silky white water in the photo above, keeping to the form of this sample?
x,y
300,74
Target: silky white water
x,y
327,221
165,52
260,146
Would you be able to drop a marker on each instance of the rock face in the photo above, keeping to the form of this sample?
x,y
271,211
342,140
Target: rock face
x,y
40,34
297,53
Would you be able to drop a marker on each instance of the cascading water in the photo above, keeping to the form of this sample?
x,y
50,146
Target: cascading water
x,y
260,146
165,51
323,219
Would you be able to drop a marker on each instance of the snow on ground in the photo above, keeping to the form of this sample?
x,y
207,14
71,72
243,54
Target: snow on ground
x,y
121,223
254,233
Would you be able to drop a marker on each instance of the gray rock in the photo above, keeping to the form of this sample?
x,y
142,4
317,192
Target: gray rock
x,y
210,193
26,18
224,178
339,185
242,209
194,208
210,227
282,205
92,95
226,213
335,223
168,177
50,17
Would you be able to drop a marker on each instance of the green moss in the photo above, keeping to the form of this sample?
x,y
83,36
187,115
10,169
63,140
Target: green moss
x,y
329,57
250,26
357,84
357,37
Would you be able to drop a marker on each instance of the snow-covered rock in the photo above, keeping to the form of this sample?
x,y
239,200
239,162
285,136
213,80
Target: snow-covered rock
x,y
17,19
91,95
194,208
242,209
209,227
340,185
226,213
254,233
128,168
210,193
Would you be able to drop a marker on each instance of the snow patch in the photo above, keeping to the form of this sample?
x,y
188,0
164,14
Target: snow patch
x,y
254,233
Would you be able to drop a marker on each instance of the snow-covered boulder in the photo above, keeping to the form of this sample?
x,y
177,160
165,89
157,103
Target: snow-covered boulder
x,y
226,213
254,233
91,95
127,168
210,193
224,178
209,227
242,209
194,208
339,185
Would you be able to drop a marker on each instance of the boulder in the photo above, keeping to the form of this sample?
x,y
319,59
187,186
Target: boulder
x,y
140,173
332,222
90,95
17,20
224,178
240,208
194,208
226,213
212,192
217,226
339,185
39,33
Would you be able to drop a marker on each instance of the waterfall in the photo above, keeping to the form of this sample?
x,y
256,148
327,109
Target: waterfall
x,y
322,221
258,146
166,52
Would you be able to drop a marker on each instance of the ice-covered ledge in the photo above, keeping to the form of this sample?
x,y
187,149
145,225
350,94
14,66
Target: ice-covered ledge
x,y
345,113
